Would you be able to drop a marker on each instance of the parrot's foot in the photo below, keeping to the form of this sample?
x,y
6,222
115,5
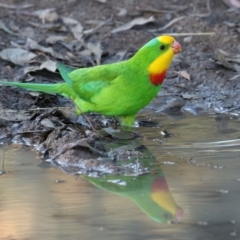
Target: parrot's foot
x,y
127,121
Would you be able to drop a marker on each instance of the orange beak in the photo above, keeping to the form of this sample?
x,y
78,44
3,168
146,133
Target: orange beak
x,y
176,47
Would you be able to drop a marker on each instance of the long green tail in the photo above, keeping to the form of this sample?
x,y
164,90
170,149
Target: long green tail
x,y
47,88
64,89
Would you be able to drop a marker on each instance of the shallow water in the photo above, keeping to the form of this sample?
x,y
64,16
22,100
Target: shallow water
x,y
200,164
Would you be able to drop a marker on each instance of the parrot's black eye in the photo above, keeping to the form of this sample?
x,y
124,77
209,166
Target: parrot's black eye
x,y
162,47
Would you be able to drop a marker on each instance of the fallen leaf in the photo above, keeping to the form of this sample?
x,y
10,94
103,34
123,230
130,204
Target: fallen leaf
x,y
52,39
184,74
77,31
99,25
52,26
235,77
119,56
33,45
47,123
6,29
230,24
136,21
188,96
15,6
47,15
48,64
81,143
232,3
75,26
96,50
101,1
69,113
119,134
17,56
221,56
122,12
14,115
231,57
69,21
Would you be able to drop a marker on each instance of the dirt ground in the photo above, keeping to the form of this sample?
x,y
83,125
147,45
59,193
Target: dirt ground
x,y
204,77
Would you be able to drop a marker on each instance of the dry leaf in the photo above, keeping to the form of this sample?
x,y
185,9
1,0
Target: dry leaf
x,y
15,6
220,56
17,56
119,134
75,26
47,15
48,64
231,57
136,21
96,51
101,1
232,3
235,77
33,45
184,74
122,12
6,29
77,31
93,51
52,26
99,25
55,38
188,96
69,21
14,115
47,123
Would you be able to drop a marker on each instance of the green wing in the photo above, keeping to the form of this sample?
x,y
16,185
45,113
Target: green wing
x,y
88,82
65,71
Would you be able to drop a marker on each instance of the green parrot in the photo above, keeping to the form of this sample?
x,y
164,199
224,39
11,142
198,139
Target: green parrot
x,y
119,89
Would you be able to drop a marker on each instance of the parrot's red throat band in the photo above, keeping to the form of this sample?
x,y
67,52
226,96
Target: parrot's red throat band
x,y
157,79
160,185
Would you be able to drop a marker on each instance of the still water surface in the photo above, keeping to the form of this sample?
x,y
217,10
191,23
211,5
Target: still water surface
x,y
200,164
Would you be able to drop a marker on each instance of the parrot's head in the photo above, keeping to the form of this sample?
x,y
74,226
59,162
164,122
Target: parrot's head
x,y
157,56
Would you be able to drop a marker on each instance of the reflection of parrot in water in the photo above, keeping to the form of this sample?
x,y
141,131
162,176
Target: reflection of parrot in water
x,y
150,192
119,89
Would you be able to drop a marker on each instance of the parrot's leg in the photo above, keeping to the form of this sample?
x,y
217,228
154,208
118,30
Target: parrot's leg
x,y
127,121
80,112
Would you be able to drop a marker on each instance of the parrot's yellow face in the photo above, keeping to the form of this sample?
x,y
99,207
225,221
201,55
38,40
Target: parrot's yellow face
x,y
161,51
168,46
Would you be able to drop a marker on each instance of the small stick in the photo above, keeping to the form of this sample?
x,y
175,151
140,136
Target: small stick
x,y
191,34
171,23
15,7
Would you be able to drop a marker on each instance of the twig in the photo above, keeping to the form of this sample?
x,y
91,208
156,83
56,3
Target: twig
x,y
200,15
168,24
191,34
93,30
86,118
15,7
208,6
150,10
